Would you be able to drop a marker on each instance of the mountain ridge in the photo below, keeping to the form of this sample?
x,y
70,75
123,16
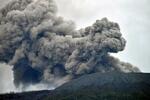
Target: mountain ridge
x,y
110,86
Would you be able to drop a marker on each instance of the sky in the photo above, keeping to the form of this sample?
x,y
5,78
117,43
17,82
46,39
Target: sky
x,y
132,16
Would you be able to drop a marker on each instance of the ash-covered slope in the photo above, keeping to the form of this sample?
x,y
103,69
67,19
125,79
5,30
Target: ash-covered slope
x,y
114,81
106,86
98,86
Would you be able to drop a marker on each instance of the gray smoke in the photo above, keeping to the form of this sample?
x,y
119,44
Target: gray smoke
x,y
44,47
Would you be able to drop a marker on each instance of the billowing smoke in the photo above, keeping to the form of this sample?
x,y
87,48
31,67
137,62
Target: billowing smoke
x,y
43,47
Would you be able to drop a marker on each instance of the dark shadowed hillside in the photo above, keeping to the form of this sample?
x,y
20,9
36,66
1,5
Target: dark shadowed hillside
x,y
109,86
33,95
98,86
114,81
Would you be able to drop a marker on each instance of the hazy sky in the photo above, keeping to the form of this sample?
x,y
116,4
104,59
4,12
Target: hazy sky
x,y
132,16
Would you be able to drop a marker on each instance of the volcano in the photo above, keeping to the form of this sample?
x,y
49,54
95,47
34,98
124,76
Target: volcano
x,y
97,86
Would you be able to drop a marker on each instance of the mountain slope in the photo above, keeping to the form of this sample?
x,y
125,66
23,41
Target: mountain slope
x,y
109,86
98,86
114,81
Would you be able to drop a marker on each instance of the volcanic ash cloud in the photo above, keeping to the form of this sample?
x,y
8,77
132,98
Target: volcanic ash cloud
x,y
44,47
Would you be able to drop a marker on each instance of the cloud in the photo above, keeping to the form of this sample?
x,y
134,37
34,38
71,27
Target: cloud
x,y
47,49
132,16
6,76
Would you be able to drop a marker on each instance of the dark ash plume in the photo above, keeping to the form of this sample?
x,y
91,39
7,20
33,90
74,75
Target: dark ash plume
x,y
43,47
